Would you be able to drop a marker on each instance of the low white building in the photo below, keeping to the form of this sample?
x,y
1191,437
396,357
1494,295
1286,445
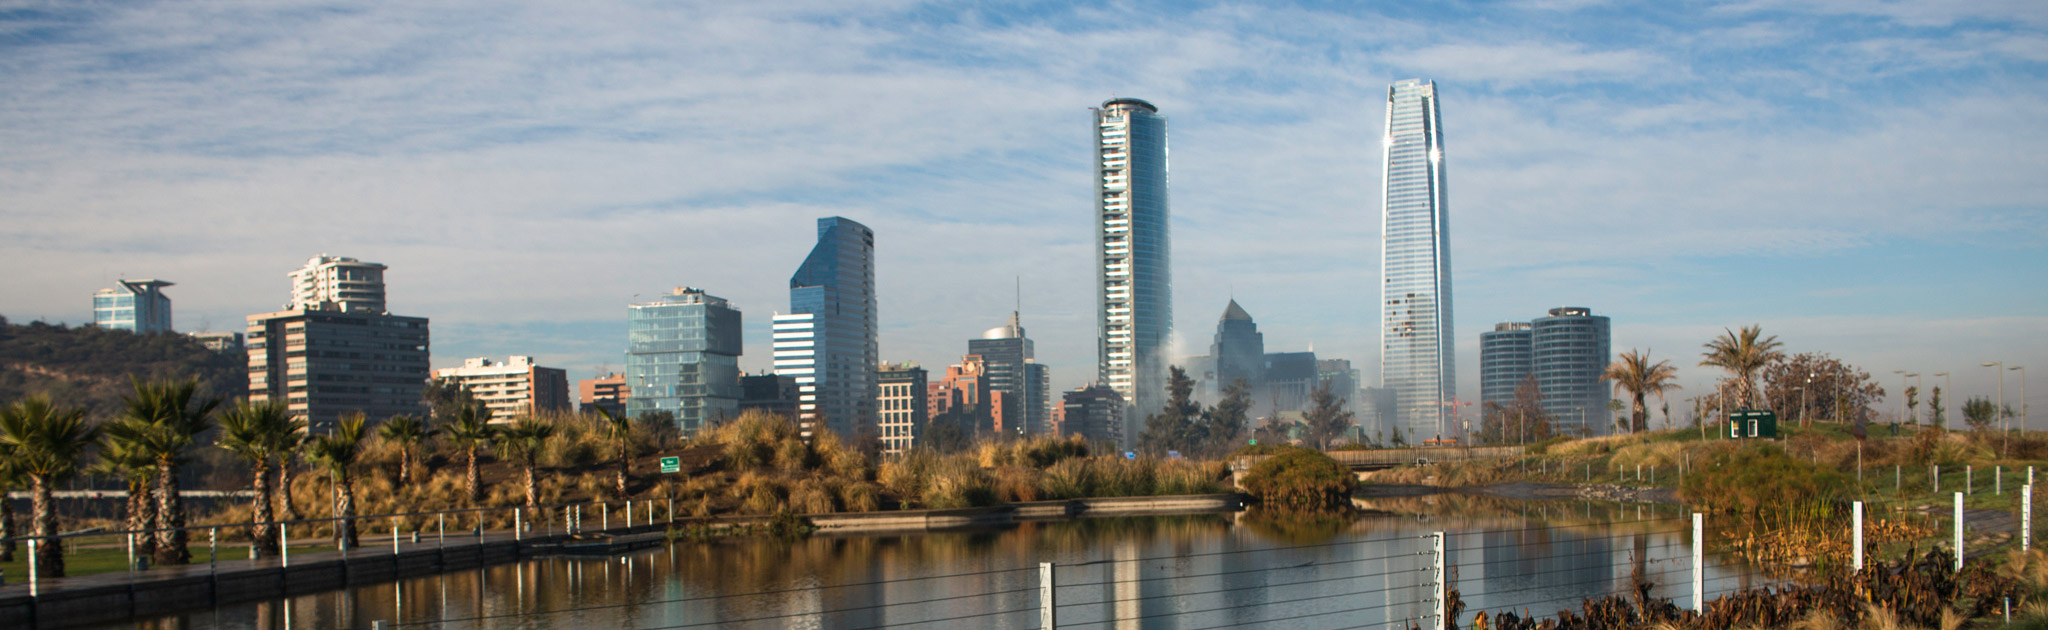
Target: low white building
x,y
513,387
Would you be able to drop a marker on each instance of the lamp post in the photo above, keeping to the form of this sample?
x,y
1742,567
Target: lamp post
x,y
1947,388
2023,394
1903,409
1999,367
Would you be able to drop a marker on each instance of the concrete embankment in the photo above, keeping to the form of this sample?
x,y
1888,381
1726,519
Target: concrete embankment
x,y
114,597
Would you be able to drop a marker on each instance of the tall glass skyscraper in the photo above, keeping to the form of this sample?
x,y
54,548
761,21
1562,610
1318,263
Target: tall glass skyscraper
x,y
1013,370
836,287
138,306
682,356
1133,247
1415,291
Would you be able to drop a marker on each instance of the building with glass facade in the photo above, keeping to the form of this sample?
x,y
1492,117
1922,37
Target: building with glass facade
x,y
138,306
1504,360
1133,246
1017,374
1567,353
1239,350
683,357
1416,349
835,288
1094,412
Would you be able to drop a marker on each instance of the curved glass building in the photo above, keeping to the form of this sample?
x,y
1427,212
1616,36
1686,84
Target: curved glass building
x,y
827,341
1416,359
1133,246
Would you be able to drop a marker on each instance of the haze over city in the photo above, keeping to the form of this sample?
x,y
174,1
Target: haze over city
x,y
1862,179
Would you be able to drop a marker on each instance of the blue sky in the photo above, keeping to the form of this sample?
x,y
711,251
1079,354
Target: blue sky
x,y
1863,178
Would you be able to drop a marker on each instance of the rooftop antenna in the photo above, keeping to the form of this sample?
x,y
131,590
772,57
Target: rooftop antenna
x,y
1020,296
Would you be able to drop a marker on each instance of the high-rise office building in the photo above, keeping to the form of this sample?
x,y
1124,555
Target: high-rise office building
x,y
325,357
1567,353
511,388
1417,357
1014,371
137,306
1134,291
832,304
1094,412
339,282
1504,362
1239,349
1291,380
903,405
683,357
772,393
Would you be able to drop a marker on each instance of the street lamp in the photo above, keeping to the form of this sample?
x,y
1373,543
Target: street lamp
x,y
2023,395
1999,366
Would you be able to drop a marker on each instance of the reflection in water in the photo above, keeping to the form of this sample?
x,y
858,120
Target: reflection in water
x,y
1152,572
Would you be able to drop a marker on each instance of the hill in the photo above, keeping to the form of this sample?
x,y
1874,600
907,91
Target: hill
x,y
91,366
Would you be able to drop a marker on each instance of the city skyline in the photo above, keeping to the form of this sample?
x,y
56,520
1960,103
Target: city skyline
x,y
1642,172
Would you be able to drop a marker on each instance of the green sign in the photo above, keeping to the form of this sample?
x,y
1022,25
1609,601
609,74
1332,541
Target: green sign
x,y
671,465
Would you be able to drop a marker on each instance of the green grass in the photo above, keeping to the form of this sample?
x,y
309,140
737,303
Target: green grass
x,y
95,560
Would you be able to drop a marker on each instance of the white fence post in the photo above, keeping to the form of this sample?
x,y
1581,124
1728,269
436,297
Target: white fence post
x,y
1935,478
1959,532
1699,563
629,514
1442,586
33,587
2027,518
284,545
394,539
1858,539
1047,619
518,523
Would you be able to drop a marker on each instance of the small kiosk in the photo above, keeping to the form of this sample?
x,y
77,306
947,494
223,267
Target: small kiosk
x,y
1753,424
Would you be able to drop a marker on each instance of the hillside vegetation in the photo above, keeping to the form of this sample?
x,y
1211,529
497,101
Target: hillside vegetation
x,y
90,366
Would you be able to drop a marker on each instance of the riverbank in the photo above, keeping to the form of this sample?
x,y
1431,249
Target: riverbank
x,y
1524,490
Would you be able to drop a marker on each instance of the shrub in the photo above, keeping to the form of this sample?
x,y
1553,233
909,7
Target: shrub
x,y
1117,477
1069,479
956,482
1748,479
838,458
905,475
1184,477
1017,484
861,497
1300,479
810,496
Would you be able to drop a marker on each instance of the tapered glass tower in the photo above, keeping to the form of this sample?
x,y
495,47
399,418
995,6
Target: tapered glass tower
x,y
1415,268
1133,247
828,340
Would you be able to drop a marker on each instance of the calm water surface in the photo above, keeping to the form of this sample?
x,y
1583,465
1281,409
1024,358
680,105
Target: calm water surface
x,y
1179,572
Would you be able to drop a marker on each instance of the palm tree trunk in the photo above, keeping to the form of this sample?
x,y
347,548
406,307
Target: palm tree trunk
x,y
49,552
404,466
532,488
6,528
141,515
624,463
345,509
1639,414
259,510
285,510
170,517
470,481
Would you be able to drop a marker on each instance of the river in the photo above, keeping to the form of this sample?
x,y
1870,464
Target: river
x,y
1177,572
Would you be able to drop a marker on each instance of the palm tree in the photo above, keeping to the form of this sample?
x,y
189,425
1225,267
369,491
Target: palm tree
x,y
1742,353
289,450
1636,375
338,451
163,419
257,431
407,432
471,430
47,442
524,443
120,457
10,478
619,431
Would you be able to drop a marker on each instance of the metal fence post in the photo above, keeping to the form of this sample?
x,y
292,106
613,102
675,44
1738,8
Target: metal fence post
x,y
1699,562
131,554
394,540
518,518
1858,539
1935,478
33,588
1441,586
1047,620
629,514
2027,517
441,531
604,517
671,509
1959,532
284,545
